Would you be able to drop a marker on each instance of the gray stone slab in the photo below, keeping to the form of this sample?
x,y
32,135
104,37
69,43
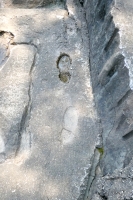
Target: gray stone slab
x,y
60,124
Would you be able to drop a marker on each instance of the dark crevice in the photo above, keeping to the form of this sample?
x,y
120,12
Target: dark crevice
x,y
81,3
111,39
112,71
92,174
25,43
3,32
128,199
128,135
104,197
110,68
21,127
102,12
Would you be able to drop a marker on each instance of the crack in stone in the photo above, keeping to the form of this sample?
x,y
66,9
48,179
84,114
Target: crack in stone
x,y
26,43
103,197
92,174
26,114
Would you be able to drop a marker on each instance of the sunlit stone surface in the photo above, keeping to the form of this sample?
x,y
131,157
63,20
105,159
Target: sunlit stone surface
x,y
49,124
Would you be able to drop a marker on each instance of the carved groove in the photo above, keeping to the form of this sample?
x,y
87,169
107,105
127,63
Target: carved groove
x,y
111,39
102,12
21,127
128,135
110,68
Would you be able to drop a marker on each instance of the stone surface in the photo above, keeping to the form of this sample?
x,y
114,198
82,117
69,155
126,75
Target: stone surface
x,y
61,136
49,126
110,32
14,97
27,3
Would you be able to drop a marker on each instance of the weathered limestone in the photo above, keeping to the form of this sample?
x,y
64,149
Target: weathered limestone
x,y
110,32
54,144
14,89
49,124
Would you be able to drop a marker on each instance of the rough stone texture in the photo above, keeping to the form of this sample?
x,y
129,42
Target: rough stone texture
x,y
27,3
54,145
49,126
14,97
110,32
